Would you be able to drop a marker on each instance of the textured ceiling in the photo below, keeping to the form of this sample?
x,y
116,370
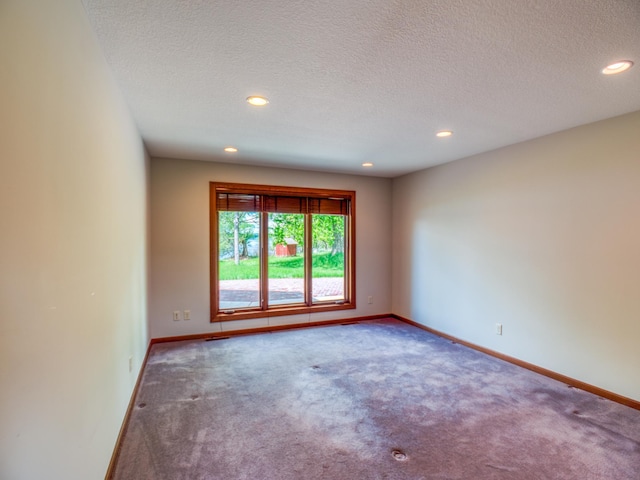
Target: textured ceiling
x,y
353,81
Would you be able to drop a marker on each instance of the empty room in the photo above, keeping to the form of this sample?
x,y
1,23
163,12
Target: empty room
x,y
320,240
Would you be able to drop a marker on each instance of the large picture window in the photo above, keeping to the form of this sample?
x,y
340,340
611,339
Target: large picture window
x,y
280,250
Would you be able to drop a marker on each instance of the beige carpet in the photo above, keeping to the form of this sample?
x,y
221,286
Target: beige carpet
x,y
376,400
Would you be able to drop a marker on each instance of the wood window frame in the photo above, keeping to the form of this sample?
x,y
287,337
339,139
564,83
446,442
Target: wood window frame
x,y
262,193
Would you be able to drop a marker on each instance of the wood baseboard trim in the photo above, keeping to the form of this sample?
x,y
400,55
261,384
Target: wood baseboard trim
x,y
275,328
125,422
629,402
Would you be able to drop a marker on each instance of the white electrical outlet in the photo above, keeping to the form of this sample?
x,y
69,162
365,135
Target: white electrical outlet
x,y
370,299
186,314
176,316
498,329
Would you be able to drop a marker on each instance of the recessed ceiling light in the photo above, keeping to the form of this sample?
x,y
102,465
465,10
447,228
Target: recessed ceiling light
x,y
230,149
367,164
617,67
257,101
444,133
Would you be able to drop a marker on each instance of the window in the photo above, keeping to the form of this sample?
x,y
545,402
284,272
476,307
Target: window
x,y
280,250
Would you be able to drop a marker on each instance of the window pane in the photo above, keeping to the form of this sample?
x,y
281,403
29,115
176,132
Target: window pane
x,y
327,266
238,260
286,258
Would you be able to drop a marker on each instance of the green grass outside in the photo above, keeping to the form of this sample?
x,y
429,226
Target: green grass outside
x,y
324,265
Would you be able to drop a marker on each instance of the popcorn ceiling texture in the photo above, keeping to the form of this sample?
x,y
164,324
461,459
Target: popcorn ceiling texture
x,y
375,400
365,80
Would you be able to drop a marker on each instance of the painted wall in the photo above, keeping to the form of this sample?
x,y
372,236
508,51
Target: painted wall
x,y
542,237
72,246
179,268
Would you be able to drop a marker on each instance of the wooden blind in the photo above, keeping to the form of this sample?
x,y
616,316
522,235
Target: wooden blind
x,y
329,206
239,202
281,204
249,202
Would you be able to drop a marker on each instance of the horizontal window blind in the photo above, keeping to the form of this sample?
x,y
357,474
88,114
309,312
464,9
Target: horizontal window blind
x,y
239,202
329,206
248,202
280,204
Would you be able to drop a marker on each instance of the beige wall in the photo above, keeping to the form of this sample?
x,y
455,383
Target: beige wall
x,y
72,247
543,237
179,270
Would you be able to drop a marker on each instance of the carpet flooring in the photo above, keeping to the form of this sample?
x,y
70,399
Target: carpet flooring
x,y
374,400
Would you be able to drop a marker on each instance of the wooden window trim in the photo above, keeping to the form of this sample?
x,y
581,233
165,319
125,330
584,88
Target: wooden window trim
x,y
330,197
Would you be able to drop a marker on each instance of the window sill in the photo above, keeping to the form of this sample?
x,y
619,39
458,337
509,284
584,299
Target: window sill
x,y
280,312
